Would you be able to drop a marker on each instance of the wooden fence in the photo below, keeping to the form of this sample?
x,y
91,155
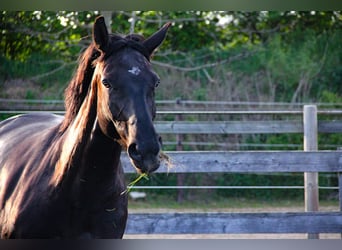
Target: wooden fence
x,y
243,162
310,161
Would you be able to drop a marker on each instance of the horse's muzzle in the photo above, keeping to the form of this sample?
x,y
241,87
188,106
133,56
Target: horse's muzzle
x,y
145,157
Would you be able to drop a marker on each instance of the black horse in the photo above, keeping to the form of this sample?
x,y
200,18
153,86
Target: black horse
x,y
62,177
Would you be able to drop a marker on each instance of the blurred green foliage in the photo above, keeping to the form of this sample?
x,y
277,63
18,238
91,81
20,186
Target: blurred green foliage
x,y
295,56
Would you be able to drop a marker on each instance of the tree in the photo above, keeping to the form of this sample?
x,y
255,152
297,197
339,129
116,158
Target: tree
x,y
201,46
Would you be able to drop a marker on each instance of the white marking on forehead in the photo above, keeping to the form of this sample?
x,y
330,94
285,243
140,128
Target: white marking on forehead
x,y
134,70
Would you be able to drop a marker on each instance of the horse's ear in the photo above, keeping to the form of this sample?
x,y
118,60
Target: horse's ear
x,y
100,34
156,39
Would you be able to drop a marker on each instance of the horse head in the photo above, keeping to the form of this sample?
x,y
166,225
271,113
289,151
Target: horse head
x,y
125,87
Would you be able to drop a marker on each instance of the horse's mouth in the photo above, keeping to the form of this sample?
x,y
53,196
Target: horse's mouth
x,y
147,164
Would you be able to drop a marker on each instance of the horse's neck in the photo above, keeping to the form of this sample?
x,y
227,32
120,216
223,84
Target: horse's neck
x,y
75,138
98,163
102,157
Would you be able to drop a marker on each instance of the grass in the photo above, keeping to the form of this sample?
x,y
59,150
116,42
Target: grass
x,y
227,204
163,157
134,182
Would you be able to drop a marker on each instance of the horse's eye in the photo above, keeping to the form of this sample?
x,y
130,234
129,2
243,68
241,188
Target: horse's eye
x,y
106,83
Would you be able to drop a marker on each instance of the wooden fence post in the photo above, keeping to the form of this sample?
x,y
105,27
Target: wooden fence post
x,y
179,147
339,175
310,144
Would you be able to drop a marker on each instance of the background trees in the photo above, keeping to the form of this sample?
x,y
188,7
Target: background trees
x,y
290,56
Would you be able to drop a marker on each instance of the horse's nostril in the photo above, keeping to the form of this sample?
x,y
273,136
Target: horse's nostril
x,y
160,141
133,152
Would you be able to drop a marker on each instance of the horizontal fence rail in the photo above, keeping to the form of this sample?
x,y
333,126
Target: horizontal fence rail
x,y
243,127
186,107
8,102
187,112
238,127
247,162
223,223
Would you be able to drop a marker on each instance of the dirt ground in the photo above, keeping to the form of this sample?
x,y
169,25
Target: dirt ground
x,y
230,236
